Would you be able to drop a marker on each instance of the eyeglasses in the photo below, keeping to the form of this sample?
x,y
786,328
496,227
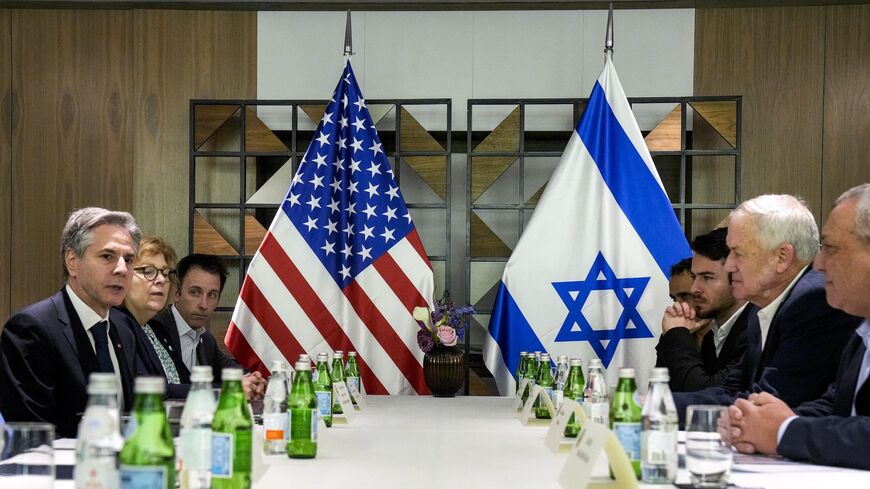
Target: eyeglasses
x,y
150,272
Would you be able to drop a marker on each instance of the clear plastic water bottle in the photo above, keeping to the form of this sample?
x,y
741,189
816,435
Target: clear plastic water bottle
x,y
195,434
658,440
561,378
99,437
595,401
275,421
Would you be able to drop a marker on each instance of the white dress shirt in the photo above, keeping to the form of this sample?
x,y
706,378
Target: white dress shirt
x,y
720,333
89,319
188,337
766,315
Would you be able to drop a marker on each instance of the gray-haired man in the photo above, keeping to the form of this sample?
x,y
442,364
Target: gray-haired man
x,y
48,349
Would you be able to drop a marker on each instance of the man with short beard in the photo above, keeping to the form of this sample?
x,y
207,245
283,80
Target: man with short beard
x,y
712,299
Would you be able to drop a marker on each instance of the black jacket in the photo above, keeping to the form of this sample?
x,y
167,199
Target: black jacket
x,y
148,363
692,370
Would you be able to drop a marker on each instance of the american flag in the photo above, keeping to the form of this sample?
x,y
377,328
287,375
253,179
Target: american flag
x,y
342,266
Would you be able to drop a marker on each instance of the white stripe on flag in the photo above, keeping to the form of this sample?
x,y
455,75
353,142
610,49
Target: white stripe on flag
x,y
339,307
407,258
256,336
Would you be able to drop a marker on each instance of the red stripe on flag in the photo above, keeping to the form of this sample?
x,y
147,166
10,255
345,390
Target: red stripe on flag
x,y
414,239
314,308
401,285
386,335
271,322
243,352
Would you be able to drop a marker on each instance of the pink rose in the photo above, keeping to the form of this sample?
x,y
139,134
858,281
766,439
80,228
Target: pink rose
x,y
447,335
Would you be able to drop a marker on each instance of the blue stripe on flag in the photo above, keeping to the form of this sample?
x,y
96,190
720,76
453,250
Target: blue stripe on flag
x,y
633,186
511,330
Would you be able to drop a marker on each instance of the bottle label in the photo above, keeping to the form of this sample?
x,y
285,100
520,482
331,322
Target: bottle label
x,y
314,425
303,425
222,451
143,477
557,398
659,447
324,402
275,426
628,435
195,444
97,474
242,455
352,381
597,412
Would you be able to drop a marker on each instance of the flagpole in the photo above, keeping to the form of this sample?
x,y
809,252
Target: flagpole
x,y
608,40
348,38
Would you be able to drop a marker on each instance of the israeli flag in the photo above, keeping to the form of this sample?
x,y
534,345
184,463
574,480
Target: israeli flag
x,y
589,276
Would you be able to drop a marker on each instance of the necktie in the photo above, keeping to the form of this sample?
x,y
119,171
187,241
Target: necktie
x,y
101,344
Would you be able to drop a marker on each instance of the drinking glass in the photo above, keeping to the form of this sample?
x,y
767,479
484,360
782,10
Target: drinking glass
x,y
708,445
26,456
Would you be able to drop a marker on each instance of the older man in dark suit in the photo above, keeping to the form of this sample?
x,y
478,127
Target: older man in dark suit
x,y
48,349
794,341
834,429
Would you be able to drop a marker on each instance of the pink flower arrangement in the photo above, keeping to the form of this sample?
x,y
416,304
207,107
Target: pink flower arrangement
x,y
445,325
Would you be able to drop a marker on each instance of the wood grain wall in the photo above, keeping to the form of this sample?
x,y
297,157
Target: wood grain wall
x,y
802,72
846,152
5,158
101,114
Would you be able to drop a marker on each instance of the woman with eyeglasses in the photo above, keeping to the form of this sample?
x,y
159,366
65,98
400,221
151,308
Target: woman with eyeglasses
x,y
153,276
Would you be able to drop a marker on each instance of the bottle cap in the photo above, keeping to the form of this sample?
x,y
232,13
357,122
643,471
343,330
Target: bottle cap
x,y
278,366
202,373
304,356
545,357
563,358
659,374
149,385
102,383
303,366
322,357
231,374
575,362
351,353
596,362
524,353
338,354
626,373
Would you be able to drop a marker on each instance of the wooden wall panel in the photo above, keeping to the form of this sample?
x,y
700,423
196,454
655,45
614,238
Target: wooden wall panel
x,y
5,161
181,55
774,58
71,76
847,101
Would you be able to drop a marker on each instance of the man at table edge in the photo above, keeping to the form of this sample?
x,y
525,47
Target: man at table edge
x,y
835,429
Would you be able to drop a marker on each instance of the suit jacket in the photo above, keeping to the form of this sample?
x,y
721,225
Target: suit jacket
x,y
207,352
692,370
801,354
826,432
46,358
148,363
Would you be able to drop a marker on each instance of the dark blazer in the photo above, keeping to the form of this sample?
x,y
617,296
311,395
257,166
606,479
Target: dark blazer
x,y
692,370
800,357
207,352
826,432
148,363
46,358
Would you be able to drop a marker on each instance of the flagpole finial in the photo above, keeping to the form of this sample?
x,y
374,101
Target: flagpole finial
x,y
608,40
348,37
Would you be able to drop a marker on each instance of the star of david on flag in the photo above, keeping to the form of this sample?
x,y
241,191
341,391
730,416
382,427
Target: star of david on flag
x,y
589,276
342,266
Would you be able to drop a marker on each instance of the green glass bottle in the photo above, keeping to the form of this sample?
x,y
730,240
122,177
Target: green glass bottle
x,y
531,375
626,415
545,380
302,407
148,456
337,376
521,368
231,435
574,391
323,388
352,374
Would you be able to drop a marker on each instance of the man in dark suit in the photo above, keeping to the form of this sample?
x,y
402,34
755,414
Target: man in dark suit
x,y
712,299
201,281
794,341
834,429
48,349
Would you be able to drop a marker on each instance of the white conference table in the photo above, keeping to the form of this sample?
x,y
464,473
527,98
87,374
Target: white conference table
x,y
473,442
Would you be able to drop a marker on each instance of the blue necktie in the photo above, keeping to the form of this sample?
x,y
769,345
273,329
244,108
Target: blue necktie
x,y
101,344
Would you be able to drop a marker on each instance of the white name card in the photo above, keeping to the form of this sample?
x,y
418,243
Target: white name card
x,y
527,415
358,396
577,471
555,434
343,396
524,382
